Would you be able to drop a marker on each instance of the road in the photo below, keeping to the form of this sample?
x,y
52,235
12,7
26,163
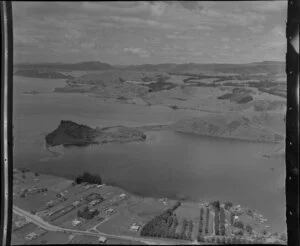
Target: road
x,y
45,225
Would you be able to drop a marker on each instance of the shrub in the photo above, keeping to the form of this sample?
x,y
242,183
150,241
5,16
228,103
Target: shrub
x,y
239,224
86,213
89,178
36,174
200,238
264,232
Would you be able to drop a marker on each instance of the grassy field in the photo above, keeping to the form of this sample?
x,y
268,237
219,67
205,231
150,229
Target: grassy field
x,y
51,238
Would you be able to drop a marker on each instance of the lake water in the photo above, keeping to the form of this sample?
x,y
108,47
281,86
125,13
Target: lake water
x,y
167,164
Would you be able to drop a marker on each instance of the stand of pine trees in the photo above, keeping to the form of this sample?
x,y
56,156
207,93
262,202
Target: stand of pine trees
x,y
163,225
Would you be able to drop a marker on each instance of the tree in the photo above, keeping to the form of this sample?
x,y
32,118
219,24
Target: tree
x,y
217,221
36,174
200,238
249,229
216,204
264,232
24,176
231,218
283,236
228,205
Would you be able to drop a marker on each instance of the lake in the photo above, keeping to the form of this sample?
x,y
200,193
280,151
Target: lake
x,y
167,164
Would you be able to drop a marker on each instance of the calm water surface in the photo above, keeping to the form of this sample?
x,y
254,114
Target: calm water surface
x,y
167,164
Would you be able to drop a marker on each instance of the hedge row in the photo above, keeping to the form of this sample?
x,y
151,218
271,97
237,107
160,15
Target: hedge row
x,y
200,230
217,221
222,222
206,220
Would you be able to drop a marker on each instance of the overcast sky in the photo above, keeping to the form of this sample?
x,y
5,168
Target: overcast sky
x,y
149,32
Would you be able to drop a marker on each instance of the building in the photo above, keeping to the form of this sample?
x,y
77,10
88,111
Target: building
x,y
92,203
76,203
109,210
122,195
99,186
76,222
134,227
102,239
31,236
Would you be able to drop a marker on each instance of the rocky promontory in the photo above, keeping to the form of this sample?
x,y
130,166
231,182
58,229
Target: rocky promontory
x,y
70,133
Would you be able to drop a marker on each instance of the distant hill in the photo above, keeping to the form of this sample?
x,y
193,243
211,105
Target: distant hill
x,y
269,67
89,65
36,73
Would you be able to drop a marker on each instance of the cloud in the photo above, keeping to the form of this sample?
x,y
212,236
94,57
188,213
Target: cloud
x,y
182,37
270,6
257,28
138,22
87,45
157,8
137,51
278,31
225,39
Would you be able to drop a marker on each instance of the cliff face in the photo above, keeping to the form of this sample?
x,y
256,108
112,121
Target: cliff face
x,y
70,133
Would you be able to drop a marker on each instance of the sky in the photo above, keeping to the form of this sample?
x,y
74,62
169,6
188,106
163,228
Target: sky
x,y
152,32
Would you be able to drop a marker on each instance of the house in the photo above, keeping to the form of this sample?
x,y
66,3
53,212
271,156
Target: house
x,y
50,204
60,195
102,239
76,203
31,236
76,222
134,227
122,195
109,210
92,203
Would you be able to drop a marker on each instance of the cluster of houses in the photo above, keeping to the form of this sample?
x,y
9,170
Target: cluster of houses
x,y
20,222
36,233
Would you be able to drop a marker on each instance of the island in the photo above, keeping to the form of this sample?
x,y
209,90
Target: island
x,y
70,133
